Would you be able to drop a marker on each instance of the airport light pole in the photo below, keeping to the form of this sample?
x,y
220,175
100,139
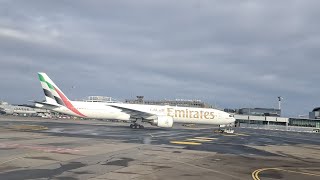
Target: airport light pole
x,y
279,101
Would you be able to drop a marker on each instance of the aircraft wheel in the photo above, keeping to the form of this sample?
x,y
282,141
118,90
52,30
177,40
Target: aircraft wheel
x,y
136,126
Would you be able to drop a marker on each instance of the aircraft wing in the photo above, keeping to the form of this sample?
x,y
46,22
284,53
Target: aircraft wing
x,y
135,113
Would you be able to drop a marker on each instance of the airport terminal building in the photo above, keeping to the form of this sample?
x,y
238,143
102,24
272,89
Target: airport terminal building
x,y
260,112
176,102
271,118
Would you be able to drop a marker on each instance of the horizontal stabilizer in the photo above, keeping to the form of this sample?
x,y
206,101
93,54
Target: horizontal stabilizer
x,y
46,104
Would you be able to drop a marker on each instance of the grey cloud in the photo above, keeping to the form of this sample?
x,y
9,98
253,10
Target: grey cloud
x,y
230,53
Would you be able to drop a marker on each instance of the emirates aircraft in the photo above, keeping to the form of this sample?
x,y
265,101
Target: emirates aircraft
x,y
157,115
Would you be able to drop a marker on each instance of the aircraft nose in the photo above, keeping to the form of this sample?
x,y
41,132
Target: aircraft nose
x,y
233,120
230,118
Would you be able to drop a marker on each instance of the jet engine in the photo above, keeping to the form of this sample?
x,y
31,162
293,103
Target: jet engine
x,y
163,121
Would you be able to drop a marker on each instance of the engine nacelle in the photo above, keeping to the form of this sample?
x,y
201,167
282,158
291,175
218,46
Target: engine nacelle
x,y
163,121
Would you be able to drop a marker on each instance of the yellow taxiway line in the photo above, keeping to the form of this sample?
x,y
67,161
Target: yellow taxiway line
x,y
193,141
255,174
185,142
200,140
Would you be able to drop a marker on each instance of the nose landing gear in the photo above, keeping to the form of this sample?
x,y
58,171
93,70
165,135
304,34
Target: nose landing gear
x,y
228,129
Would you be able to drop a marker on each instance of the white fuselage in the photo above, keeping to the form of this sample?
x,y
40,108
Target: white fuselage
x,y
10,109
98,110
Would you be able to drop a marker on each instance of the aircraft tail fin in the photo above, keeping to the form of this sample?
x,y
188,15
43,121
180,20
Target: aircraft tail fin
x,y
55,95
52,93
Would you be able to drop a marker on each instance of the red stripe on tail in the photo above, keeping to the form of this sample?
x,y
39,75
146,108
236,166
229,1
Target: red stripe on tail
x,y
68,103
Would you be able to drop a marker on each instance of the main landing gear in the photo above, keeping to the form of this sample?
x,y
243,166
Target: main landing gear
x,y
229,129
136,126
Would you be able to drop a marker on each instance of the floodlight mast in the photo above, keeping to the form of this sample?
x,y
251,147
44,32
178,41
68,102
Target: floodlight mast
x,y
279,101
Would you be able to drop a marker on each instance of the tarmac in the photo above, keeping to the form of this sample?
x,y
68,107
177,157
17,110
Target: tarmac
x,y
35,148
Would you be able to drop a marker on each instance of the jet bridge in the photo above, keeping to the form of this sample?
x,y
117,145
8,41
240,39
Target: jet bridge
x,y
261,120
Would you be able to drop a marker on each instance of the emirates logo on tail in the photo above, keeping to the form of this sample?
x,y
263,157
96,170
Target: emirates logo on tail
x,y
55,95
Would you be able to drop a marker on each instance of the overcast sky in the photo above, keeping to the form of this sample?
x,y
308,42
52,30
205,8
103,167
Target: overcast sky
x,y
229,53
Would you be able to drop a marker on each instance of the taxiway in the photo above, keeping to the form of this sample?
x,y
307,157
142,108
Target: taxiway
x,y
33,148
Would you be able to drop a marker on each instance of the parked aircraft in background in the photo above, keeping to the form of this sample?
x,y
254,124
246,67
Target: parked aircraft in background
x,y
8,109
161,116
